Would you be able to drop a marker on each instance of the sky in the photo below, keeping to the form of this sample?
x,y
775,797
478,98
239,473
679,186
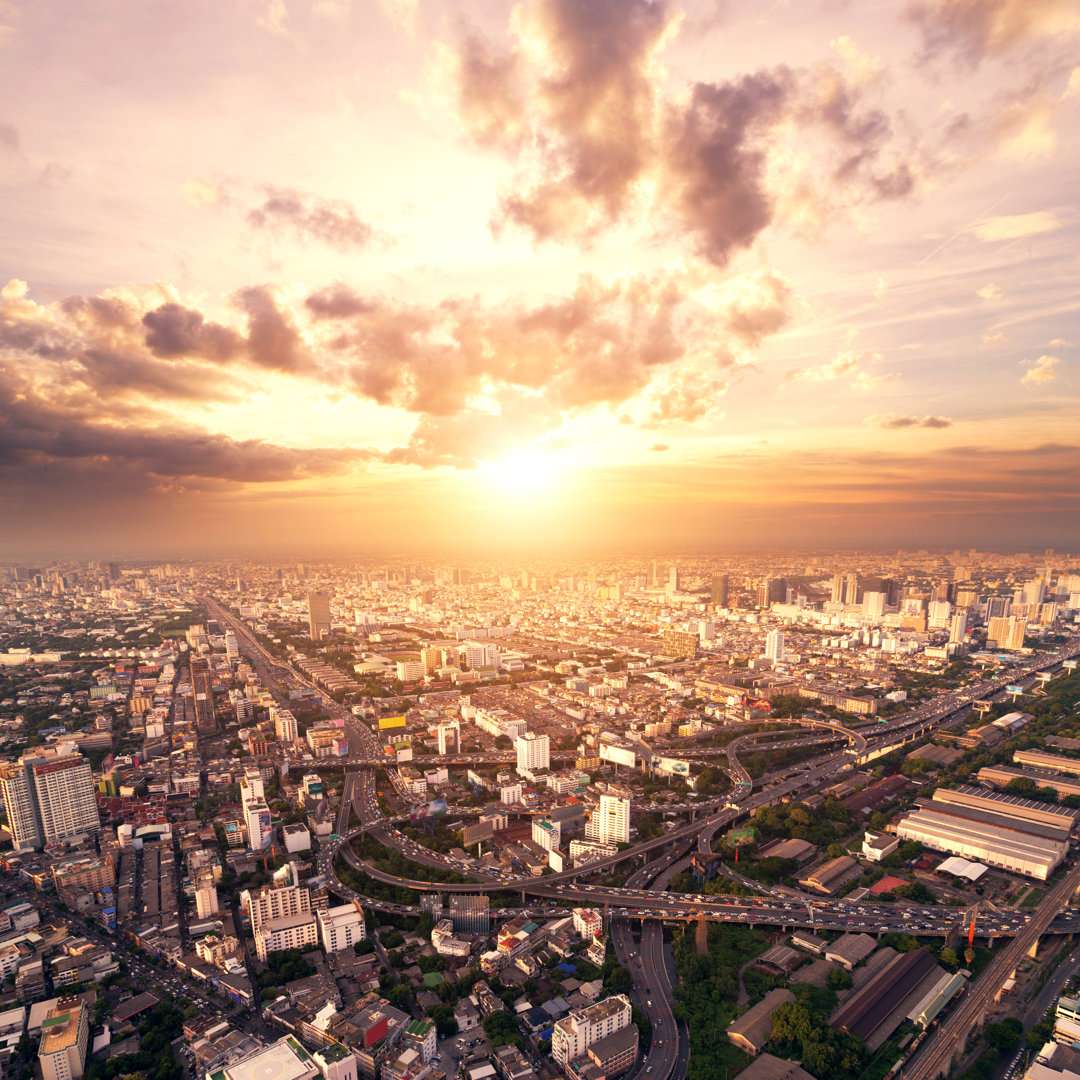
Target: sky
x,y
347,276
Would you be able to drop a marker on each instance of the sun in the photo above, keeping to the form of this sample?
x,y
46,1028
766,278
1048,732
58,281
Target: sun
x,y
524,472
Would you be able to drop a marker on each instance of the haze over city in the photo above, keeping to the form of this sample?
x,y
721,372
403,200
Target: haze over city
x,y
329,277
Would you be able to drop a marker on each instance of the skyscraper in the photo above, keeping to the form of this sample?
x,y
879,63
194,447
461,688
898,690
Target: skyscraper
x,y
610,821
719,592
774,646
533,752
318,616
202,685
49,796
1006,632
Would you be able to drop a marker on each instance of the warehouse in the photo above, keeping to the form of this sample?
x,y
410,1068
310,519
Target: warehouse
x,y
1020,851
1000,775
1040,759
1011,806
875,1011
980,816
751,1031
829,877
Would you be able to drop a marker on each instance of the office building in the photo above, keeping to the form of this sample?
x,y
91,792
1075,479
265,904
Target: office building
x,y
258,822
874,604
574,1034
48,796
202,685
65,1032
957,627
774,646
318,616
718,594
469,913
281,918
533,753
610,821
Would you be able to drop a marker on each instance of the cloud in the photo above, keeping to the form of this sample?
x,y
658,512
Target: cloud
x,y
894,422
39,429
993,337
1061,343
976,29
1043,370
659,447
577,102
865,381
333,222
989,292
1016,226
844,363
273,339
173,330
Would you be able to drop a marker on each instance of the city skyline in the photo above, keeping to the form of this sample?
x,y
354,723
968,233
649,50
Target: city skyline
x,y
345,278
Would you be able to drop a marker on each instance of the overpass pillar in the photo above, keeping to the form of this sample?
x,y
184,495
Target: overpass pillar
x,y
1033,952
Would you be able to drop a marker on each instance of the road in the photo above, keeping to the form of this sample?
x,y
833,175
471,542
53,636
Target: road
x,y
935,1055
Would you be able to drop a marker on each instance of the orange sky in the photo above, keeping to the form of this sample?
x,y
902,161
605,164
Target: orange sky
x,y
556,274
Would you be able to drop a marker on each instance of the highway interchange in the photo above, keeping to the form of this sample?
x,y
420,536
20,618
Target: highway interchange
x,y
643,899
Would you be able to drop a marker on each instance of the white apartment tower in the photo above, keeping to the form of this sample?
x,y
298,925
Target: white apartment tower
x,y
574,1034
65,1032
774,646
610,821
284,724
48,796
533,753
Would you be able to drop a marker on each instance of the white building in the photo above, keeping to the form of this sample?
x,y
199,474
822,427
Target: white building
x,y
588,922
442,937
574,1034
548,834
610,821
49,795
510,795
774,646
450,737
297,838
206,895
270,905
257,821
289,932
64,1035
533,753
284,724
341,927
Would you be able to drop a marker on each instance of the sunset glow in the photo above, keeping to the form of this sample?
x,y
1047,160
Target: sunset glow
x,y
271,268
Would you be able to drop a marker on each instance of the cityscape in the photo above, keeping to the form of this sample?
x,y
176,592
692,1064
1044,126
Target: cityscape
x,y
539,540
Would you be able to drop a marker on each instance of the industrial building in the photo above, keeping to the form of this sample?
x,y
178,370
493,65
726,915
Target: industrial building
x,y
1040,759
1011,806
752,1030
874,1011
1021,847
830,877
1001,775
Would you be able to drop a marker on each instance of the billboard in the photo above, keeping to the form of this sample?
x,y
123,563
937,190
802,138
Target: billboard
x,y
673,766
738,837
474,834
434,808
618,755
403,751
388,722
1014,689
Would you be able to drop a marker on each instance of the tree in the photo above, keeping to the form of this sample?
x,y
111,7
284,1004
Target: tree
x,y
445,1021
949,958
619,981
1005,1036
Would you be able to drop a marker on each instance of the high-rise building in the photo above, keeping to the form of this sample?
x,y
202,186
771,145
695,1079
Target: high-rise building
x,y
65,1032
533,752
957,627
679,644
284,724
574,1034
673,580
996,606
278,918
318,616
874,604
206,895
610,821
718,594
470,913
851,589
774,646
259,828
1006,632
837,595
341,927
202,685
232,646
449,737
48,796
251,787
